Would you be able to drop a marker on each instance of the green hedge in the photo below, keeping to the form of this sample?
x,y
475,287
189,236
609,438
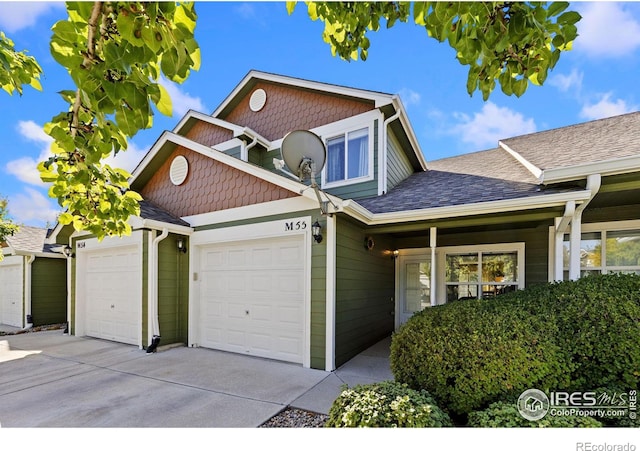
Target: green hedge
x,y
385,404
470,353
569,336
506,415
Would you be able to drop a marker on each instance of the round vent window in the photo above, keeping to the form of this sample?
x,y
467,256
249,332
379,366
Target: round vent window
x,y
257,100
179,170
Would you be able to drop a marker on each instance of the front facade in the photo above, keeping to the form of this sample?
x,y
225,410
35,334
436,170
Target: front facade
x,y
224,254
33,280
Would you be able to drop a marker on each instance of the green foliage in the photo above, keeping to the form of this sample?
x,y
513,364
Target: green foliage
x,y
7,227
470,353
506,415
17,68
385,404
596,322
114,53
513,43
569,336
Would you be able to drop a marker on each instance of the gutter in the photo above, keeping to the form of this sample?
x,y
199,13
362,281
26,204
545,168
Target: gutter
x,y
154,324
594,182
602,168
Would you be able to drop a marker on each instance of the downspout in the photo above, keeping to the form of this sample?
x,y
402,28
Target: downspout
x,y
153,292
561,226
244,152
69,256
593,186
27,307
385,124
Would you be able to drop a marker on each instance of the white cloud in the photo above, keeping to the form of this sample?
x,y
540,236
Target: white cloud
x,y
571,82
128,159
607,29
26,168
15,16
606,107
490,125
181,101
33,208
409,97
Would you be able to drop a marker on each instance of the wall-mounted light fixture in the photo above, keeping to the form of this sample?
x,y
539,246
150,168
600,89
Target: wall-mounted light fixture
x,y
181,245
316,231
68,251
395,254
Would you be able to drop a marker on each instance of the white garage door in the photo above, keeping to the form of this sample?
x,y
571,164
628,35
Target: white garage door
x,y
252,297
112,294
11,294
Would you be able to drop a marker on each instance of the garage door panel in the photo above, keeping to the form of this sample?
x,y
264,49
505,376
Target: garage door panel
x,y
259,294
11,295
113,279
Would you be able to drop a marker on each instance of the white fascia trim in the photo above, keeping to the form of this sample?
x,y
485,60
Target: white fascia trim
x,y
605,168
536,171
41,254
378,98
275,207
137,222
406,124
360,213
236,129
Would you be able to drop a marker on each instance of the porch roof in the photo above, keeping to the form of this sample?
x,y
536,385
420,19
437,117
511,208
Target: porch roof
x,y
155,213
30,240
490,175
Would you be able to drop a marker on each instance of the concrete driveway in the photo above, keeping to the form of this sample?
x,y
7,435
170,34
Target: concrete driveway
x,y
48,379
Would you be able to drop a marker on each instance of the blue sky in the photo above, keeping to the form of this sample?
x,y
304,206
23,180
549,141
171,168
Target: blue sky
x,y
599,78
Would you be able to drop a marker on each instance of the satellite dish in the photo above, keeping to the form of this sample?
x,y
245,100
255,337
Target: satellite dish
x,y
304,154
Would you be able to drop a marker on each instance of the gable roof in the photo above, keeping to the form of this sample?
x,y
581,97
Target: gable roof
x,y
585,145
31,240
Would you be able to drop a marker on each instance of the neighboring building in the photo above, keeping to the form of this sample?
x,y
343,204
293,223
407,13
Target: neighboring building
x,y
402,233
33,280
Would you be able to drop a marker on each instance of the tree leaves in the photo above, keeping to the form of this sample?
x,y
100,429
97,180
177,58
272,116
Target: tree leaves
x,y
16,68
512,43
114,53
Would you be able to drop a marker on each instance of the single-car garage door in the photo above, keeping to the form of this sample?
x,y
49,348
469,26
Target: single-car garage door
x,y
11,294
252,297
112,293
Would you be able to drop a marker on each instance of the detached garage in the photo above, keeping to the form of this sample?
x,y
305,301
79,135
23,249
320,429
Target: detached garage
x,y
33,278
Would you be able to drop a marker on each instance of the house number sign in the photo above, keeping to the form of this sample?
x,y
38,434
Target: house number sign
x,y
293,226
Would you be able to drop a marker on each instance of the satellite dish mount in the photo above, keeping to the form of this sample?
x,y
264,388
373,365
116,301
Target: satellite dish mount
x,y
305,155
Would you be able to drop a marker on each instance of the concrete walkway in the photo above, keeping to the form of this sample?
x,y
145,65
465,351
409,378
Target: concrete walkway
x,y
48,379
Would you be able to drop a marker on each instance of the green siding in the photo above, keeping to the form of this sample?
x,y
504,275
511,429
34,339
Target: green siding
x,y
365,289
173,291
234,152
48,291
617,213
398,165
318,280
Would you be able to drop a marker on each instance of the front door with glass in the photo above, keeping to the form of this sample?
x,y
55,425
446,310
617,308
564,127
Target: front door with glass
x,y
414,285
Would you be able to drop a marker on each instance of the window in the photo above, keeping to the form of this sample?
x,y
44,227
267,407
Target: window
x,y
483,271
348,156
606,251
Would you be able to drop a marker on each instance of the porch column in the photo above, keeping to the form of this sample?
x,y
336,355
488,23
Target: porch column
x,y
330,318
432,281
561,226
574,246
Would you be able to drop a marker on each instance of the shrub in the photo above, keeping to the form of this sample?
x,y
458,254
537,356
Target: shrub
x,y
596,324
502,414
470,353
569,336
385,404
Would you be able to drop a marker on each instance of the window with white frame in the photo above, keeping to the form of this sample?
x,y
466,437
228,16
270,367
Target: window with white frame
x,y
606,251
483,272
348,157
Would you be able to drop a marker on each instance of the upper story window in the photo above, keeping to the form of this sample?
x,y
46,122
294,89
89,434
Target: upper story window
x,y
348,157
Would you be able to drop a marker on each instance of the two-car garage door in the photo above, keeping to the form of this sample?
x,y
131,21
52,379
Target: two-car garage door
x,y
11,292
252,297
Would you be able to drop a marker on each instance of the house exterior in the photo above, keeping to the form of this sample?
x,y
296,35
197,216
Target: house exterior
x,y
223,254
33,280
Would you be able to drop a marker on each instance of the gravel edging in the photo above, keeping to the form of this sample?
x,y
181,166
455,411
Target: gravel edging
x,y
296,418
